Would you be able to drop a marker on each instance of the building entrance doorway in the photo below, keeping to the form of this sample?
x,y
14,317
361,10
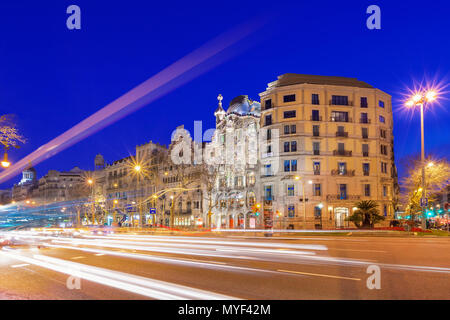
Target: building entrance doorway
x,y
340,216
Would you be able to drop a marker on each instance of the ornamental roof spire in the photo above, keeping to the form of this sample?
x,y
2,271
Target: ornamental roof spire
x,y
219,108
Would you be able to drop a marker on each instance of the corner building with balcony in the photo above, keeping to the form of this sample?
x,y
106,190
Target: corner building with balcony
x,y
334,147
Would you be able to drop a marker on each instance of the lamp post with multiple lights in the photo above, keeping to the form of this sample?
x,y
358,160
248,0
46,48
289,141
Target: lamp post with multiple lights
x,y
90,182
421,99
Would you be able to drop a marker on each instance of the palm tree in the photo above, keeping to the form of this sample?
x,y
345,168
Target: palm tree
x,y
366,215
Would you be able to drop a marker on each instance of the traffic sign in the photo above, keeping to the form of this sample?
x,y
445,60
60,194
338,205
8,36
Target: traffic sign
x,y
152,210
424,202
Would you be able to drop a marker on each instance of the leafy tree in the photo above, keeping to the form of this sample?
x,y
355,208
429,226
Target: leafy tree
x,y
9,134
366,215
437,175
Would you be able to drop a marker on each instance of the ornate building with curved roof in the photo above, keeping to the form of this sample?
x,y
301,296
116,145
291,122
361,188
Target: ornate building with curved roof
x,y
234,147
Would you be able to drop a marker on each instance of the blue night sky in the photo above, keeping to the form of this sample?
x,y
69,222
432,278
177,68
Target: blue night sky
x,y
52,78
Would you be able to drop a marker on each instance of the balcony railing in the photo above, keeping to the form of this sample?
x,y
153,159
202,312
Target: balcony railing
x,y
338,103
346,173
345,153
316,152
362,120
333,197
317,172
334,119
365,154
316,118
316,134
342,134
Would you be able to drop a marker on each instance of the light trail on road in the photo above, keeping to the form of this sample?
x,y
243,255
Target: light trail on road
x,y
182,71
154,289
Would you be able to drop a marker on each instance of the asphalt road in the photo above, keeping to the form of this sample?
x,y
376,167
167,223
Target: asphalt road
x,y
118,266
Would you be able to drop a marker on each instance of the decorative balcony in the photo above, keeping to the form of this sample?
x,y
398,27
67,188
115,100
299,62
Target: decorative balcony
x,y
341,103
362,120
316,118
345,153
337,197
342,134
337,119
346,173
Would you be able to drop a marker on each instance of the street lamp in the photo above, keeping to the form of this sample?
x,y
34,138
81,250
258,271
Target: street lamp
x,y
5,163
90,182
420,99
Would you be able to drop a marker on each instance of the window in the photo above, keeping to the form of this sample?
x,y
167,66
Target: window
x,y
316,148
268,170
366,169
383,133
365,133
315,99
367,190
269,148
339,100
317,213
289,114
315,115
287,165
268,104
342,191
383,149
316,131
286,146
268,192
268,120
342,167
293,146
286,130
384,191
293,165
317,190
291,211
316,167
381,104
339,116
365,150
383,167
293,128
364,102
251,179
382,120
290,190
385,210
364,118
341,147
269,134
289,98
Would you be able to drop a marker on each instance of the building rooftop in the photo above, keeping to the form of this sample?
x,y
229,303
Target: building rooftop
x,y
242,105
288,79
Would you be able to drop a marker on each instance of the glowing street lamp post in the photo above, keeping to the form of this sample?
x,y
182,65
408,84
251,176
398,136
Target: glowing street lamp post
x,y
420,99
91,183
138,169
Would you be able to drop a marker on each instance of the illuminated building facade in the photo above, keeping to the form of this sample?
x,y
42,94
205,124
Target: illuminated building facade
x,y
335,144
